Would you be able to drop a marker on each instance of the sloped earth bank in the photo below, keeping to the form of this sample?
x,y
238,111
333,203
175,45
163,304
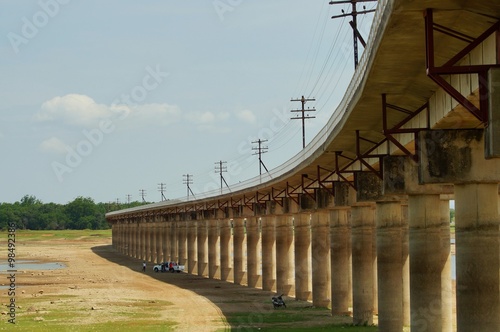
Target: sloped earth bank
x,y
101,289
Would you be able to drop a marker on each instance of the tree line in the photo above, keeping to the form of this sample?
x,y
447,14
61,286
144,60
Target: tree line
x,y
81,213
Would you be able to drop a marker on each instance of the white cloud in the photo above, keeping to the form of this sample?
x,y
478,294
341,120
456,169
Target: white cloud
x,y
246,116
83,111
75,109
54,145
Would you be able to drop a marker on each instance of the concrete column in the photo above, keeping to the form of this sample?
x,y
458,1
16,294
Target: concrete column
x,y
192,251
239,261
340,237
284,256
158,229
477,235
144,229
268,253
254,271
130,252
430,275
225,245
147,226
182,243
405,259
320,258
389,266
363,219
303,273
173,242
152,241
202,243
213,250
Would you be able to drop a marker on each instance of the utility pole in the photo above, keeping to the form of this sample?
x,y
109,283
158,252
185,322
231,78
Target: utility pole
x,y
162,188
187,180
143,193
354,23
220,167
260,150
304,116
128,199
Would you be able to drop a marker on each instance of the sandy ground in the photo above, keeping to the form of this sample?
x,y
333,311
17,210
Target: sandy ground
x,y
99,283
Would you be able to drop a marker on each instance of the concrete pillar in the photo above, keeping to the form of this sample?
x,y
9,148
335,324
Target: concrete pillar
x,y
213,249
226,271
363,220
303,273
405,259
389,266
144,228
202,243
173,241
320,258
268,253
192,251
477,240
239,261
164,239
149,246
284,256
340,237
182,241
254,270
430,274
158,241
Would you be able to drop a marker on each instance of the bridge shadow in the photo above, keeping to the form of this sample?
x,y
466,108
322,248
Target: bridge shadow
x,y
248,305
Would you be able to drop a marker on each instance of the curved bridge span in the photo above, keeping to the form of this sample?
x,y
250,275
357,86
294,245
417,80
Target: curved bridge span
x,y
359,220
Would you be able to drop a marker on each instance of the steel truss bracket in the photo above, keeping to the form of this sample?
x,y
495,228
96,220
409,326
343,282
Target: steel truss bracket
x,y
362,156
292,193
307,187
340,172
277,197
450,67
396,129
248,202
328,185
222,205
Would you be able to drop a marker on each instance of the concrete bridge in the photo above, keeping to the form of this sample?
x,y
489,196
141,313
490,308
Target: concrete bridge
x,y
359,220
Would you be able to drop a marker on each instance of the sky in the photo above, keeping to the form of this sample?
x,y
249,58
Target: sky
x,y
112,99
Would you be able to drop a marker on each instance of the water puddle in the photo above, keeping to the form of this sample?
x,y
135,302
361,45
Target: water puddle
x,y
26,265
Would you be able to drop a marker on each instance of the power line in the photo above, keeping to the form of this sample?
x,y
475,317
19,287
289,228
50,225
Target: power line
x,y
304,116
260,150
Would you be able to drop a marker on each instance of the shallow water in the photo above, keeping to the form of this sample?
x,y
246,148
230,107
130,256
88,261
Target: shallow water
x,y
24,265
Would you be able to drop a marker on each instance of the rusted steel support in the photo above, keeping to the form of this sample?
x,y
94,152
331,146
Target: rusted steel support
x,y
340,172
277,198
361,156
323,181
450,68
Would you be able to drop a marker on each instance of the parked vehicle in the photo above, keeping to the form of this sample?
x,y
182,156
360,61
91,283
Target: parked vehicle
x,y
168,266
278,301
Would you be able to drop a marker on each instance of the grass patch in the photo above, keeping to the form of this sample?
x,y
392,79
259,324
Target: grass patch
x,y
85,234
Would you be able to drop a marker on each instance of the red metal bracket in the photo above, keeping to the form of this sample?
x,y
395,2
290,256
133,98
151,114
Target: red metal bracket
x,y
450,68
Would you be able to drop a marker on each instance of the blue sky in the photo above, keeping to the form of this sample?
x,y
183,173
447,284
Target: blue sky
x,y
104,98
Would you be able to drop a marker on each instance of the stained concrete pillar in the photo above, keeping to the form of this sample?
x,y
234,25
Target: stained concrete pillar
x,y
389,266
430,274
164,239
239,261
457,156
320,258
284,256
302,238
226,270
173,242
340,237
363,221
192,250
182,241
158,241
254,262
213,249
405,259
477,240
268,253
202,244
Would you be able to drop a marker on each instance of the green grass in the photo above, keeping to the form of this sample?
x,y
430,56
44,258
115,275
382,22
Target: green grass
x,y
86,234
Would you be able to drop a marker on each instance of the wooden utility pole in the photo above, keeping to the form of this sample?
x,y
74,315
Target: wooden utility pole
x,y
161,189
187,180
260,150
143,193
304,116
220,167
354,23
